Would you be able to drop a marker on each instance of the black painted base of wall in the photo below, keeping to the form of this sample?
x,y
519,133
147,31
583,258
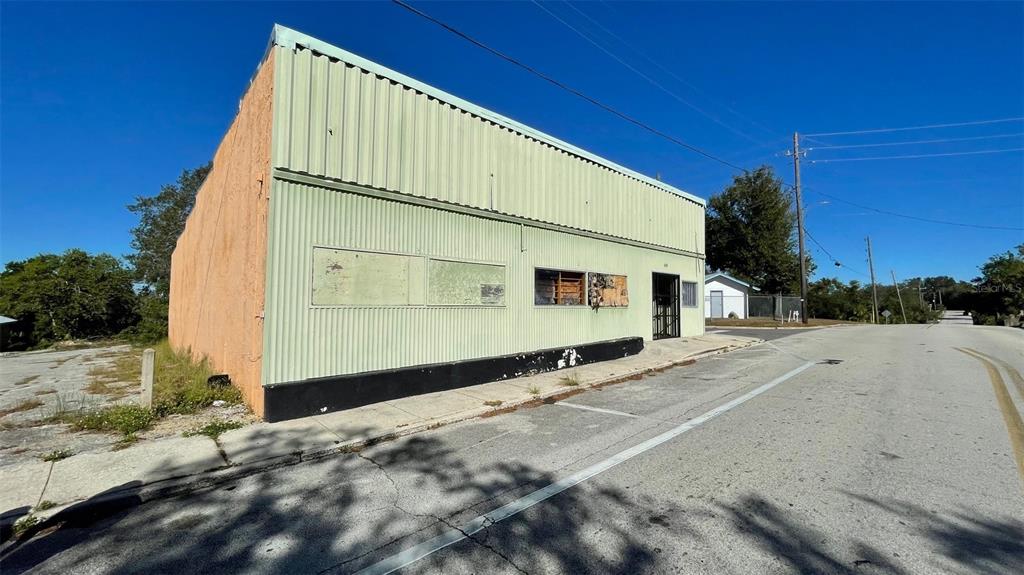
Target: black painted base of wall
x,y
285,401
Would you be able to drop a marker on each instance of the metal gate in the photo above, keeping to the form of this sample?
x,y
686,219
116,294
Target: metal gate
x,y
665,301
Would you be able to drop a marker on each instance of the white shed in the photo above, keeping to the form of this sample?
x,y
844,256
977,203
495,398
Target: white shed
x,y
725,295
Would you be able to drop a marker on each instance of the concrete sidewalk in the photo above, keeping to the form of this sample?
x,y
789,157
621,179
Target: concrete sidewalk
x,y
176,465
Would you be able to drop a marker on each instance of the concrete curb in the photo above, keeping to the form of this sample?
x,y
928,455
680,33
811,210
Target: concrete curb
x,y
731,327
118,499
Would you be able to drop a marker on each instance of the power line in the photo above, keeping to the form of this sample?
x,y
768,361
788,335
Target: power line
x,y
917,218
653,82
567,88
937,141
881,130
668,71
830,256
912,156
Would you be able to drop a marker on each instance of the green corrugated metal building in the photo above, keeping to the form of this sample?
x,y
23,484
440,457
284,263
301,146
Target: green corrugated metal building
x,y
413,241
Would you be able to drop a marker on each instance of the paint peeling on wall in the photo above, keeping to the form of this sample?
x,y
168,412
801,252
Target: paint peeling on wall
x,y
569,358
465,283
351,277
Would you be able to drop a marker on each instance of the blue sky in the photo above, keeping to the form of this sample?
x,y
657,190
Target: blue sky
x,y
104,102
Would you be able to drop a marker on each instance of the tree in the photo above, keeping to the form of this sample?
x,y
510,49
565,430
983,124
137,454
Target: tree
x,y
68,296
750,233
161,220
999,292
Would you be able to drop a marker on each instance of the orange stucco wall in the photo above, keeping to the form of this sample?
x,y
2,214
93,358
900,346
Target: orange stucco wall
x,y
218,267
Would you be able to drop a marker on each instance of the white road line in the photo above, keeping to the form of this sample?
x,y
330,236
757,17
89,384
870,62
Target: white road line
x,y
597,409
413,554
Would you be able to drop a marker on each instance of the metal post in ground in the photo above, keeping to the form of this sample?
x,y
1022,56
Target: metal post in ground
x,y
148,364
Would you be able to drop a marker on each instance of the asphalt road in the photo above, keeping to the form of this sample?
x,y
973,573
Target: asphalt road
x,y
894,458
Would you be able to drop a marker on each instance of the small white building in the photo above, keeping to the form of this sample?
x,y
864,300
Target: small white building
x,y
725,295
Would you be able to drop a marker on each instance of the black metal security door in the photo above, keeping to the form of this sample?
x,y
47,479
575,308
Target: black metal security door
x,y
665,301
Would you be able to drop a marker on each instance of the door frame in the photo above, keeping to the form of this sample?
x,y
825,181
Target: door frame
x,y
670,316
721,304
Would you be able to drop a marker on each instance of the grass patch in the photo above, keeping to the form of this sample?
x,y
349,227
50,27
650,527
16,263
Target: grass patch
x,y
571,380
57,455
179,387
44,505
46,391
493,402
534,390
25,405
26,380
125,419
179,384
214,429
22,525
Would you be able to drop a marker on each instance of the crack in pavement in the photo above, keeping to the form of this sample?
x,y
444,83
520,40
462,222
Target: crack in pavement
x,y
436,518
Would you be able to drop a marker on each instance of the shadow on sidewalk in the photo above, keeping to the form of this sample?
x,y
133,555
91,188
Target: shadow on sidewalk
x,y
266,523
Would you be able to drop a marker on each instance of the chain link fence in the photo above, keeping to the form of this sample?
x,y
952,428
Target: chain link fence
x,y
778,307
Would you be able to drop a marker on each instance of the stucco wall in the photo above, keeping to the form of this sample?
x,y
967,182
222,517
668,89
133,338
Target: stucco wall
x,y
218,267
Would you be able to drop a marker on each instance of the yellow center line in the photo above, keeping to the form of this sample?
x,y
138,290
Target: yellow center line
x,y
1012,419
1018,379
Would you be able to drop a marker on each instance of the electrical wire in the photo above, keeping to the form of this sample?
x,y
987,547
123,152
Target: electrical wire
x,y
882,130
652,81
668,71
938,141
914,156
569,89
830,256
917,218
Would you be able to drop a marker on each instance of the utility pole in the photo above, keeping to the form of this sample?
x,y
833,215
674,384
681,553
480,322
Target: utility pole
x,y
874,287
800,227
903,311
920,293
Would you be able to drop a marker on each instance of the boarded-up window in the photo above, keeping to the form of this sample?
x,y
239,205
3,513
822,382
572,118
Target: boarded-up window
x,y
608,290
349,277
689,294
465,283
554,287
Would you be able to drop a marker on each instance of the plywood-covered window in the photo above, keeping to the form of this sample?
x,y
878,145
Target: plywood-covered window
x,y
350,277
465,283
608,290
557,287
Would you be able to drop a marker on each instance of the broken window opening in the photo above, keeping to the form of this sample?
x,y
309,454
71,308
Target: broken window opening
x,y
556,287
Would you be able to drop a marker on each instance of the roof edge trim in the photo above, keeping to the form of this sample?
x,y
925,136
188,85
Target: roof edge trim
x,y
288,38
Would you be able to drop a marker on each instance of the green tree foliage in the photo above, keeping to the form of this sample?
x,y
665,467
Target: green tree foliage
x,y
69,296
999,292
161,220
832,299
750,233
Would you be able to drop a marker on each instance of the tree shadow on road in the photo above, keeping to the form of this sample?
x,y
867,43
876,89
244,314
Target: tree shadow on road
x,y
374,507
982,545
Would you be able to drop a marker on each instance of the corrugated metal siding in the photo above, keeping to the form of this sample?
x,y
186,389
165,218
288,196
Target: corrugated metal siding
x,y
303,342
336,120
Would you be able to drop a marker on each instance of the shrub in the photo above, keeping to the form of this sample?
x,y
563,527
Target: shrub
x,y
126,419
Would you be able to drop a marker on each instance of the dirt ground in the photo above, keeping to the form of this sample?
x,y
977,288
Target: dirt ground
x,y
35,386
